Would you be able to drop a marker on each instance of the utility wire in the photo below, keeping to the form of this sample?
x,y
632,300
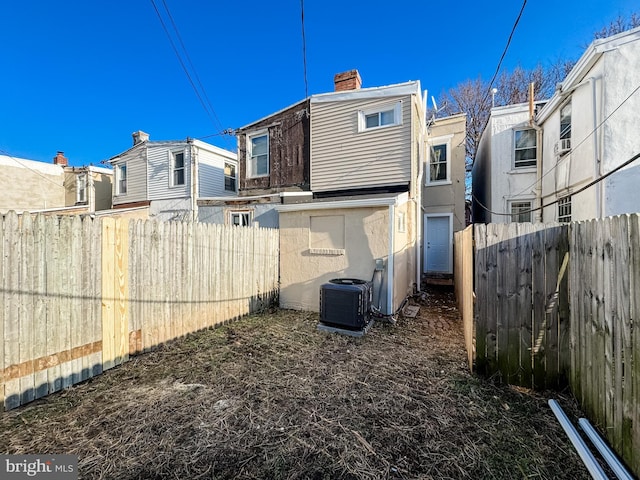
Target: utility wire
x,y
304,51
186,71
588,185
593,132
193,68
504,53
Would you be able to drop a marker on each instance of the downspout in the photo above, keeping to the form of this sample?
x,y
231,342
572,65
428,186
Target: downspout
x,y
194,180
539,155
597,164
390,260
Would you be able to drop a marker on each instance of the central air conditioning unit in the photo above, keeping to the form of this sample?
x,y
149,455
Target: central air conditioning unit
x,y
346,303
562,146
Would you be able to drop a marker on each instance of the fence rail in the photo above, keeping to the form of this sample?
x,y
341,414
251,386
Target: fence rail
x,y
79,295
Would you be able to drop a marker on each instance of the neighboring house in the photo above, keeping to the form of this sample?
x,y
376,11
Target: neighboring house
x,y
169,176
443,192
506,167
274,168
598,95
366,165
34,186
582,133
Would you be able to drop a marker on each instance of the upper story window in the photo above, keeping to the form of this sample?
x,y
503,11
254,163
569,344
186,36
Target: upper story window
x,y
525,151
384,116
229,177
258,155
81,188
564,209
177,169
520,211
565,121
121,179
439,161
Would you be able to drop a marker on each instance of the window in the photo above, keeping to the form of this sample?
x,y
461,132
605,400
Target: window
x,y
385,116
230,177
81,188
564,209
521,211
439,160
258,155
525,148
565,122
121,179
177,169
241,218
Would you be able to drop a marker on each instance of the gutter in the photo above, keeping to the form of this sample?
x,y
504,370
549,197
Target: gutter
x,y
390,260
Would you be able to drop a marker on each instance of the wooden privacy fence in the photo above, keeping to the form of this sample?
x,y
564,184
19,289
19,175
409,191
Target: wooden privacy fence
x,y
558,303
79,295
463,276
605,328
521,311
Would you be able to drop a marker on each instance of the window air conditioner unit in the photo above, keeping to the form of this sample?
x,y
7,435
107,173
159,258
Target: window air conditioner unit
x,y
562,146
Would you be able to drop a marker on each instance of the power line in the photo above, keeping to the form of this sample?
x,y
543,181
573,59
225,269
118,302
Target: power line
x,y
193,68
588,185
304,51
184,68
504,53
581,142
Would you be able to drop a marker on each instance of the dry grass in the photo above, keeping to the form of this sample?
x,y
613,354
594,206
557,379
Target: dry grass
x,y
271,397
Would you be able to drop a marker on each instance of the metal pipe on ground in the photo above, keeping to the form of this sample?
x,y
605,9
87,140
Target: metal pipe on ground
x,y
609,457
581,447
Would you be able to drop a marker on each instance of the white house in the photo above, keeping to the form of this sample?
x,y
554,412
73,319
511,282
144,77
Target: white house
x,y
506,167
591,127
170,176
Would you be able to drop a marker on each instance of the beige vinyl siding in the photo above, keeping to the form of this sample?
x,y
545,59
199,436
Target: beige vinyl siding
x,y
136,177
159,158
343,158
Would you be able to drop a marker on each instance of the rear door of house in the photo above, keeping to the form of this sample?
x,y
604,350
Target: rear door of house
x,y
438,243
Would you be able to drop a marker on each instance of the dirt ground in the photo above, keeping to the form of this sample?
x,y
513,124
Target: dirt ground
x,y
270,396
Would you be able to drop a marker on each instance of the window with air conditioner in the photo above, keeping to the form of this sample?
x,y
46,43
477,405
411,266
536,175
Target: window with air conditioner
x,y
564,144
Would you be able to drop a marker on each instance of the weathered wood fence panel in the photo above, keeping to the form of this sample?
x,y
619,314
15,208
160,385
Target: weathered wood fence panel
x,y
463,277
78,295
521,317
605,328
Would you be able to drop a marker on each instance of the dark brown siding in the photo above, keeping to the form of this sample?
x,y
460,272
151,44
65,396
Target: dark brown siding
x,y
289,153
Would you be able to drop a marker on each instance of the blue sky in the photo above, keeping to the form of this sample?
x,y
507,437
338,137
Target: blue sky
x,y
81,76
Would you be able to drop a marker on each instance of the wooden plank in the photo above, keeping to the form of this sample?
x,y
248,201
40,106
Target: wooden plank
x,y
27,318
525,303
96,292
480,307
607,311
505,292
169,281
4,292
40,310
108,293
11,308
598,352
590,398
552,266
563,315
538,292
54,343
76,293
622,329
121,328
632,441
64,296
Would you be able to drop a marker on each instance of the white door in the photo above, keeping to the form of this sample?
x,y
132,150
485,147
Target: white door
x,y
437,243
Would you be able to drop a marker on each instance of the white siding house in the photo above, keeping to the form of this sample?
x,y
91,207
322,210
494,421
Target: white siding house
x,y
590,127
170,176
506,167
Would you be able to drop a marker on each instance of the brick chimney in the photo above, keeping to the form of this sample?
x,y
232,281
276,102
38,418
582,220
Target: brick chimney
x,y
60,159
347,81
139,137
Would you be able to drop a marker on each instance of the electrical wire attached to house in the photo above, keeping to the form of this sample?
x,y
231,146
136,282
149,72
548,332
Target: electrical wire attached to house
x,y
587,186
